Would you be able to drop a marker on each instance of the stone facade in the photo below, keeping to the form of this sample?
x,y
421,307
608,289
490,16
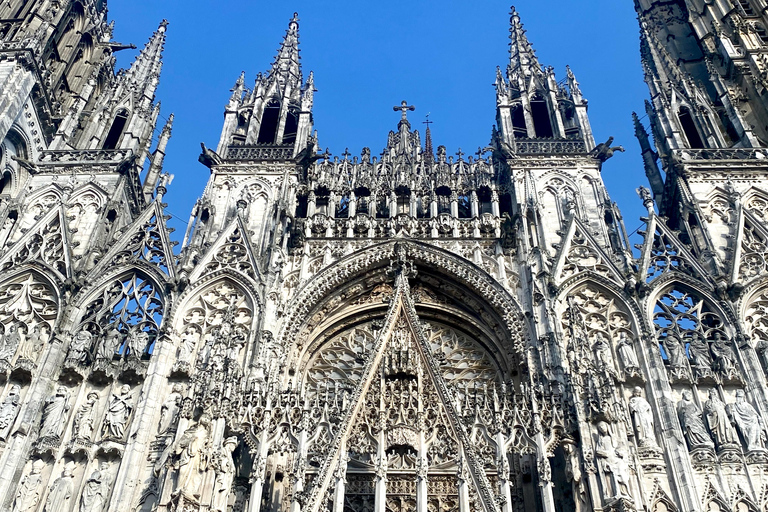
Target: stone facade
x,y
409,331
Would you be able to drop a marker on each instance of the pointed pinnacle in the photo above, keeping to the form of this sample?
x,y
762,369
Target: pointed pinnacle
x,y
522,57
287,62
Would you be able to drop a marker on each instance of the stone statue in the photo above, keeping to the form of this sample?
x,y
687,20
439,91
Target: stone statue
x,y
96,490
79,348
642,419
28,492
61,491
612,464
725,359
138,342
674,349
748,422
718,422
33,345
55,414
106,351
193,452
602,351
8,410
118,412
225,474
169,412
85,418
605,151
188,343
10,343
698,352
627,354
692,423
574,475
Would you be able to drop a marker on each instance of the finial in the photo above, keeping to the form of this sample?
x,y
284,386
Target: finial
x,y
163,25
404,107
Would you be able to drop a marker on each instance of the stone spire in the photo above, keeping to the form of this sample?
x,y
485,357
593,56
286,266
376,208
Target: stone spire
x,y
287,66
144,73
429,154
157,159
522,57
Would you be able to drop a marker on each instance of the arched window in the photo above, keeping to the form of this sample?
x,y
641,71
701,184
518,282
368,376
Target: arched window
x,y
518,122
342,209
484,200
403,200
363,199
116,131
291,127
541,119
689,128
465,207
269,122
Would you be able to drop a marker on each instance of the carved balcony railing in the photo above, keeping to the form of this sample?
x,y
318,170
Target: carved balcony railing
x,y
259,152
721,154
91,156
550,147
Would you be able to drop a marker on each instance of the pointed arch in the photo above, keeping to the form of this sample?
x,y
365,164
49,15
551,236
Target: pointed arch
x,y
116,128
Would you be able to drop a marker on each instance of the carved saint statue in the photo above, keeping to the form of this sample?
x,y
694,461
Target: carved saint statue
x,y
138,342
80,346
674,349
574,474
8,410
718,422
10,343
692,423
602,351
725,359
28,492
193,451
698,351
61,491
55,414
642,419
748,422
627,354
33,345
169,412
96,490
612,463
85,418
225,474
188,343
118,412
108,348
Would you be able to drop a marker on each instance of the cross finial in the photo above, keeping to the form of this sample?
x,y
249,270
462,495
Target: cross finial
x,y
428,122
460,153
404,107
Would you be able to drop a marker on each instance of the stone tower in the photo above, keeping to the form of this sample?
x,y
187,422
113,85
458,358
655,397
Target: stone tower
x,y
401,331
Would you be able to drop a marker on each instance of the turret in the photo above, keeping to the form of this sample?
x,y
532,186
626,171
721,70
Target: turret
x,y
158,156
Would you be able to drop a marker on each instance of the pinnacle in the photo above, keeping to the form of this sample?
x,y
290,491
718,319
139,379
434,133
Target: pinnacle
x,y
522,57
287,63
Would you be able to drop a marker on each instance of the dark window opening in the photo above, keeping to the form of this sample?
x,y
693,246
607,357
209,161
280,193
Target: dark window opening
x,y
5,183
761,33
321,204
291,127
111,216
443,204
204,216
465,207
342,209
518,122
505,204
689,128
362,205
608,217
422,208
747,7
301,206
403,204
541,120
382,208
116,131
692,220
484,200
269,121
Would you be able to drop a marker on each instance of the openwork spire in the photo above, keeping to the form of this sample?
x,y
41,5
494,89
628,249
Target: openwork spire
x,y
287,63
522,57
146,68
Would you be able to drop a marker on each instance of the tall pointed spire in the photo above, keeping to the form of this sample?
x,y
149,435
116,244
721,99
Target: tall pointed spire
x,y
287,65
522,57
429,154
145,70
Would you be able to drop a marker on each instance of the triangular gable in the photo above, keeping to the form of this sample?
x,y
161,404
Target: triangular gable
x,y
663,252
579,252
232,249
146,239
750,248
402,334
47,242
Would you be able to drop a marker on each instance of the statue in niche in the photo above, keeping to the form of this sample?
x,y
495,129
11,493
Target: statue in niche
x,y
692,423
674,349
188,343
138,342
80,347
118,412
106,351
55,414
611,463
627,354
28,492
193,451
225,474
698,352
10,343
642,419
602,351
96,490
718,422
61,491
33,345
169,411
9,409
574,475
85,418
748,422
725,359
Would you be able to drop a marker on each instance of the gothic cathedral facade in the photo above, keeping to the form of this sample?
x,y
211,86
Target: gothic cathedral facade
x,y
407,331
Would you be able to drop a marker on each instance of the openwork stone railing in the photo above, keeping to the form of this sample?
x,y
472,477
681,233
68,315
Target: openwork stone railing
x,y
550,147
259,153
109,156
722,154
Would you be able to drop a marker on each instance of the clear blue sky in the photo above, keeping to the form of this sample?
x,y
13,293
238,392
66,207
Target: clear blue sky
x,y
440,56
